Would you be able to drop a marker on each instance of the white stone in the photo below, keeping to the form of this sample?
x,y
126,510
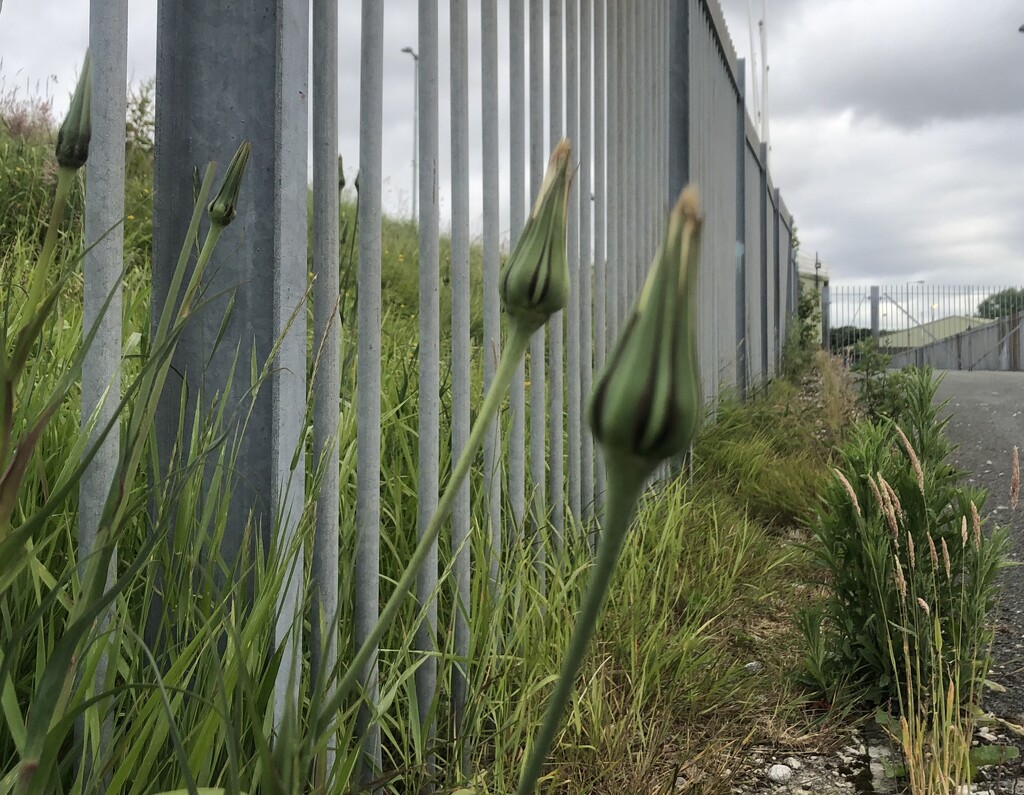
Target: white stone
x,y
780,774
793,762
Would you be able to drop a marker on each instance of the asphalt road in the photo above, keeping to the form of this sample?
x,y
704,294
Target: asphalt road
x,y
987,410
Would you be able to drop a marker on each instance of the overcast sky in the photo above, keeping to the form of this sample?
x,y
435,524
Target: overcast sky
x,y
897,126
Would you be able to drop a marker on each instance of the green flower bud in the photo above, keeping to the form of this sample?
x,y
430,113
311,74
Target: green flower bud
x,y
73,136
535,280
646,404
223,208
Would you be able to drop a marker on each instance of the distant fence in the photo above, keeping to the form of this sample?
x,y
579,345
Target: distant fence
x,y
951,327
652,96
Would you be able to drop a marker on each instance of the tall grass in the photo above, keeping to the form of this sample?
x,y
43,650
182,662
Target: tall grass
x,y
189,635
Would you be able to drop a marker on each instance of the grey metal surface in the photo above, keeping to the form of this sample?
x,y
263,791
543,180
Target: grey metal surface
x,y
742,367
460,362
538,419
587,270
754,256
491,266
517,218
555,406
613,186
104,258
367,563
212,91
102,268
326,372
601,246
771,280
574,331
429,364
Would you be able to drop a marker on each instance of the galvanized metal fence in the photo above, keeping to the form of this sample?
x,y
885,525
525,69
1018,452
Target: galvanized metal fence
x,y
651,94
955,327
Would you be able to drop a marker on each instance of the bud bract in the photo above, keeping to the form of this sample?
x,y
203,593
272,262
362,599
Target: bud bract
x,y
223,208
73,137
646,404
534,282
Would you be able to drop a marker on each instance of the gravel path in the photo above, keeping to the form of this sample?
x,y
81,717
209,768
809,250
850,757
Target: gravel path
x,y
987,421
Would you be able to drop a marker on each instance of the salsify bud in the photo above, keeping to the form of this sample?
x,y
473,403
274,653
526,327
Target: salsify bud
x,y
534,282
73,137
646,403
223,208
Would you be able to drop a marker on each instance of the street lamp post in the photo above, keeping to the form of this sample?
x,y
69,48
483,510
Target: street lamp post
x,y
415,123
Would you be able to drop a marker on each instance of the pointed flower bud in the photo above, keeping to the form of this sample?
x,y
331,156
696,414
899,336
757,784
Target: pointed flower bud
x,y
223,208
73,136
646,404
534,282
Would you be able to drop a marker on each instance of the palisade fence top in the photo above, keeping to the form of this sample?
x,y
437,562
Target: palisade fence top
x,y
651,95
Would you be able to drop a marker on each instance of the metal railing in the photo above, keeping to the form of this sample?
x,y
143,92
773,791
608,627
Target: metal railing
x,y
957,327
652,96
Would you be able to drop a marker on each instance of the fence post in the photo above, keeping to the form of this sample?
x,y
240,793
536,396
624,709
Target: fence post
x,y
430,366
875,317
367,563
491,268
777,259
601,226
212,94
573,348
742,370
679,98
538,407
460,363
587,253
102,265
826,319
766,370
517,218
556,326
326,340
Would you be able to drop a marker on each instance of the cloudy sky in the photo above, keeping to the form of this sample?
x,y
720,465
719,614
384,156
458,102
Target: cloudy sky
x,y
897,126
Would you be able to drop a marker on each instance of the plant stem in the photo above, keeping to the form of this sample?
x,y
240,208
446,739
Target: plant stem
x,y
514,350
65,176
625,480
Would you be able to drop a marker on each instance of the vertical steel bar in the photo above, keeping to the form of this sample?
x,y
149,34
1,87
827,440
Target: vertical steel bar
x,y
429,387
459,27
517,218
556,326
103,264
491,268
624,164
679,97
600,122
613,188
742,368
367,594
538,447
574,375
587,247
326,340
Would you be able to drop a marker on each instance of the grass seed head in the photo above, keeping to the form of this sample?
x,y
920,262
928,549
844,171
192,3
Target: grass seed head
x,y
849,490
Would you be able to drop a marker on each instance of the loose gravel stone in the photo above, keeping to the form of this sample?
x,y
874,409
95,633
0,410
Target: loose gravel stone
x,y
780,774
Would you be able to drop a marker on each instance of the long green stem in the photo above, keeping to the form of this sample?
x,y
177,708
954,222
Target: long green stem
x,y
625,480
65,176
515,348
